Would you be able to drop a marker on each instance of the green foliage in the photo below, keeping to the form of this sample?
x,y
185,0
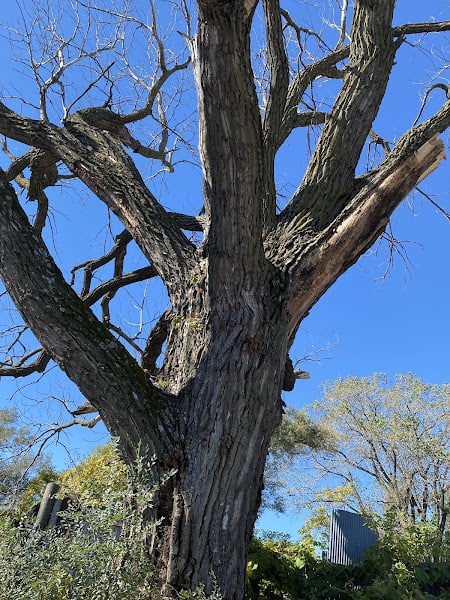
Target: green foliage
x,y
381,447
296,435
103,557
390,448
413,560
91,480
408,562
17,463
317,524
393,569
103,471
274,569
282,570
94,565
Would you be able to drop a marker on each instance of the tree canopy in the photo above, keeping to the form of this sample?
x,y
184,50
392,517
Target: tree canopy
x,y
18,462
387,451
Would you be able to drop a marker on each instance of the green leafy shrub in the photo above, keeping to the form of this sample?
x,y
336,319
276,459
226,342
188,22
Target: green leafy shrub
x,y
407,563
410,561
282,570
97,552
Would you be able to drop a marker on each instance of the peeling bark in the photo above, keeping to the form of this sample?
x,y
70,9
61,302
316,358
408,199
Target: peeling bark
x,y
358,227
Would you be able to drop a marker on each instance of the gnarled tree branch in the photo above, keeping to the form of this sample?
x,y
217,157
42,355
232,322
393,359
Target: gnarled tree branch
x,y
100,162
82,347
416,155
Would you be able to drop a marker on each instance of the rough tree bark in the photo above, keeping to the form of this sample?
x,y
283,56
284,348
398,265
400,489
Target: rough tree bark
x,y
239,297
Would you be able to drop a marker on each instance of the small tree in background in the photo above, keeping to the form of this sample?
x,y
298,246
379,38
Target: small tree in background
x,y
392,445
18,463
384,452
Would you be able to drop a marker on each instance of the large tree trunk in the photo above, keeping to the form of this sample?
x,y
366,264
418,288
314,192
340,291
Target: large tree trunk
x,y
228,413
237,320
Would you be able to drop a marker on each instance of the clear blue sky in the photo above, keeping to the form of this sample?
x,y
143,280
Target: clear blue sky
x,y
396,324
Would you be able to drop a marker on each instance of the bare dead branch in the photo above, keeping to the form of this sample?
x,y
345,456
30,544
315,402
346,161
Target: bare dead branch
x,y
343,28
22,370
118,330
53,431
441,86
84,409
413,28
53,53
302,30
325,68
120,243
103,73
435,204
114,284
166,72
155,342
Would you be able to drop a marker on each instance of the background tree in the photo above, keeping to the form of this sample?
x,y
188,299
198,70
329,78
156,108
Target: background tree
x,y
201,389
18,463
91,479
292,441
390,450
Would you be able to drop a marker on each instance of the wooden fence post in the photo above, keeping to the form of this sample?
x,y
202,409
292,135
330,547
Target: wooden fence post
x,y
46,506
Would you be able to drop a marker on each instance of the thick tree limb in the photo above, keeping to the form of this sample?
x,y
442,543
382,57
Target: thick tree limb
x,y
278,70
274,110
28,131
326,67
81,346
100,162
233,194
188,222
330,173
363,220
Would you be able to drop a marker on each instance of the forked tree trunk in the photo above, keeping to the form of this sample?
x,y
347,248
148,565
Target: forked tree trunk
x,y
232,404
223,420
